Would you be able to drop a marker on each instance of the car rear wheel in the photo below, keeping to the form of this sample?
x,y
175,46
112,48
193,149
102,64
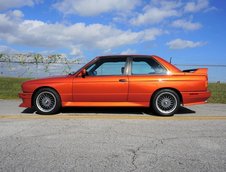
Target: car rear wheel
x,y
165,102
47,101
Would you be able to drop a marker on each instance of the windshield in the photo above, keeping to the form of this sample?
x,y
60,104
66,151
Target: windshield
x,y
85,66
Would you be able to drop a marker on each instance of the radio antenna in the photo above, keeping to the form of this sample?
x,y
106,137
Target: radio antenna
x,y
171,59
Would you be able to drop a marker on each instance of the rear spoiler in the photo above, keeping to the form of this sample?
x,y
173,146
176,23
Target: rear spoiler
x,y
189,70
197,71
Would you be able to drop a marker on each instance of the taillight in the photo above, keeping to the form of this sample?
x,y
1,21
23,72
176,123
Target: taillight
x,y
206,83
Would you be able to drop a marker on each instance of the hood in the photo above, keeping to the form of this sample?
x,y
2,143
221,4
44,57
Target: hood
x,y
55,79
31,85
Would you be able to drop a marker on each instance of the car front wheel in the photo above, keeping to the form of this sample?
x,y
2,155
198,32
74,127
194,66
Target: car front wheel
x,y
165,102
47,101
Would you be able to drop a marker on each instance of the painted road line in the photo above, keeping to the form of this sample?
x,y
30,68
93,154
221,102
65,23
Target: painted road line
x,y
135,117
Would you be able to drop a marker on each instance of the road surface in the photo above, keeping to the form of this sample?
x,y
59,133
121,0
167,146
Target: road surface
x,y
124,139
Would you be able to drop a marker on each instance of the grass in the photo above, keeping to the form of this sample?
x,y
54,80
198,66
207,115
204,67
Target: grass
x,y
10,87
218,93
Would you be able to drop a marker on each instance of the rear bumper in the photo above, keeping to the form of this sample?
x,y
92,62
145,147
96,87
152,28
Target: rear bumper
x,y
192,98
26,98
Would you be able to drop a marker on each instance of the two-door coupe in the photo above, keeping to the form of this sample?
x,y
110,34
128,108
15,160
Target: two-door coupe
x,y
119,81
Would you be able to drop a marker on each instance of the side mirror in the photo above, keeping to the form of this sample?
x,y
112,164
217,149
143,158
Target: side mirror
x,y
83,73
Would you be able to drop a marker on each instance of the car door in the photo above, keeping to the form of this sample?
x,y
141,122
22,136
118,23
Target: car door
x,y
106,81
145,74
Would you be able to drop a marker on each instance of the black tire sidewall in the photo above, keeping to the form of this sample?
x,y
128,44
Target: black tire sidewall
x,y
153,102
57,97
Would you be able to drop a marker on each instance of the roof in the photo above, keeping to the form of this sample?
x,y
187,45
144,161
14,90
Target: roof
x,y
124,55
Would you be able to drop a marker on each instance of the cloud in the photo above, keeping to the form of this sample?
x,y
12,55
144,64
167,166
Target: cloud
x,y
7,4
75,51
186,25
7,50
181,44
152,16
94,7
35,33
196,6
128,51
210,9
156,12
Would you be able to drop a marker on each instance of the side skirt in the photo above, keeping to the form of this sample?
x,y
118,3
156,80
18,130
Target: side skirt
x,y
106,104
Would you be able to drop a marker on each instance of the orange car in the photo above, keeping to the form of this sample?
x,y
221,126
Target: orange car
x,y
119,81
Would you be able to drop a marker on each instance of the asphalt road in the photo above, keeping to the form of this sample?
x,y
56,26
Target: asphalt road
x,y
125,139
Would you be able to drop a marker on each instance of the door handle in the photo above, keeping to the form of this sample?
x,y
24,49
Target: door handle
x,y
122,80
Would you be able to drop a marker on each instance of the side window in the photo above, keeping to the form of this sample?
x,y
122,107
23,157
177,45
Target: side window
x,y
108,66
141,67
111,68
146,66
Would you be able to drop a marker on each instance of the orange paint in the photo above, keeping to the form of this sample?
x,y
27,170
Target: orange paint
x,y
122,90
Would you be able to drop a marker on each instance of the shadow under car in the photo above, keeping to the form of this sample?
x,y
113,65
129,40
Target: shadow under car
x,y
110,110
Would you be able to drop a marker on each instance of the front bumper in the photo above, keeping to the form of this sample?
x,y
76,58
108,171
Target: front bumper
x,y
192,98
26,98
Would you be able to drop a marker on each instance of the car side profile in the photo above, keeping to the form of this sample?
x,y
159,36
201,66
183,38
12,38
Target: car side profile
x,y
119,81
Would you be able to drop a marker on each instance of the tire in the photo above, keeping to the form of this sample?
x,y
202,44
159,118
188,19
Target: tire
x,y
47,101
165,102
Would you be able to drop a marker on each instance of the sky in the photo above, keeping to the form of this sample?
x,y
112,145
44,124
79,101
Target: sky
x,y
191,32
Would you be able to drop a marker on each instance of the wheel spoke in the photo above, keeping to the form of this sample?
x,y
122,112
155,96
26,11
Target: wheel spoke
x,y
46,101
166,102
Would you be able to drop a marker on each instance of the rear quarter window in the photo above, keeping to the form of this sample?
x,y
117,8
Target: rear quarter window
x,y
146,66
